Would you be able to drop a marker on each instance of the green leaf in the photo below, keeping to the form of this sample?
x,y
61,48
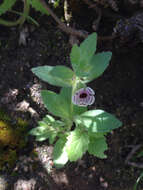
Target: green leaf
x,y
77,144
77,110
88,46
65,94
79,63
55,104
43,133
96,135
38,6
97,146
48,119
57,75
59,154
60,104
58,124
138,180
99,63
75,57
51,135
46,131
140,154
56,3
98,121
6,5
81,56
51,121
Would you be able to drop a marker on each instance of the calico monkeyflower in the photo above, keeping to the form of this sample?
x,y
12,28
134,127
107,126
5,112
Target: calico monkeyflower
x,y
83,97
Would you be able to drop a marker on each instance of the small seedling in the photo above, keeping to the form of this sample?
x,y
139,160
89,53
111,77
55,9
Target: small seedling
x,y
78,129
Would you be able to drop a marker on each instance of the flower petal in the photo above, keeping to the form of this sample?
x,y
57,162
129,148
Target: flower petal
x,y
90,91
91,100
81,100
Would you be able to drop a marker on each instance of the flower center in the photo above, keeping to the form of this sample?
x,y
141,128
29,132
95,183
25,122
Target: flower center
x,y
83,95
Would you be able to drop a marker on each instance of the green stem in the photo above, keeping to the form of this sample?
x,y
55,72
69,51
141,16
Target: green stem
x,y
72,93
9,23
28,17
25,12
21,20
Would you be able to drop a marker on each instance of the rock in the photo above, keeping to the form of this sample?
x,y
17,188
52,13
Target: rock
x,y
3,183
25,184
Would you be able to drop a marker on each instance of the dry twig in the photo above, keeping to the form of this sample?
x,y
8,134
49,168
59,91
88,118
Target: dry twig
x,y
70,30
130,155
62,25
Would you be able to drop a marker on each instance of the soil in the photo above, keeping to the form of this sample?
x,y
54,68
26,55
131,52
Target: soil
x,y
118,91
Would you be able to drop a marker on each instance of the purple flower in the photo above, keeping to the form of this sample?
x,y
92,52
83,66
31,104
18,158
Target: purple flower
x,y
84,97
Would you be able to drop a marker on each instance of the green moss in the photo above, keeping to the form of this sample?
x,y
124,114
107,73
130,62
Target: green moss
x,y
21,125
34,153
14,173
8,157
12,139
4,116
7,135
